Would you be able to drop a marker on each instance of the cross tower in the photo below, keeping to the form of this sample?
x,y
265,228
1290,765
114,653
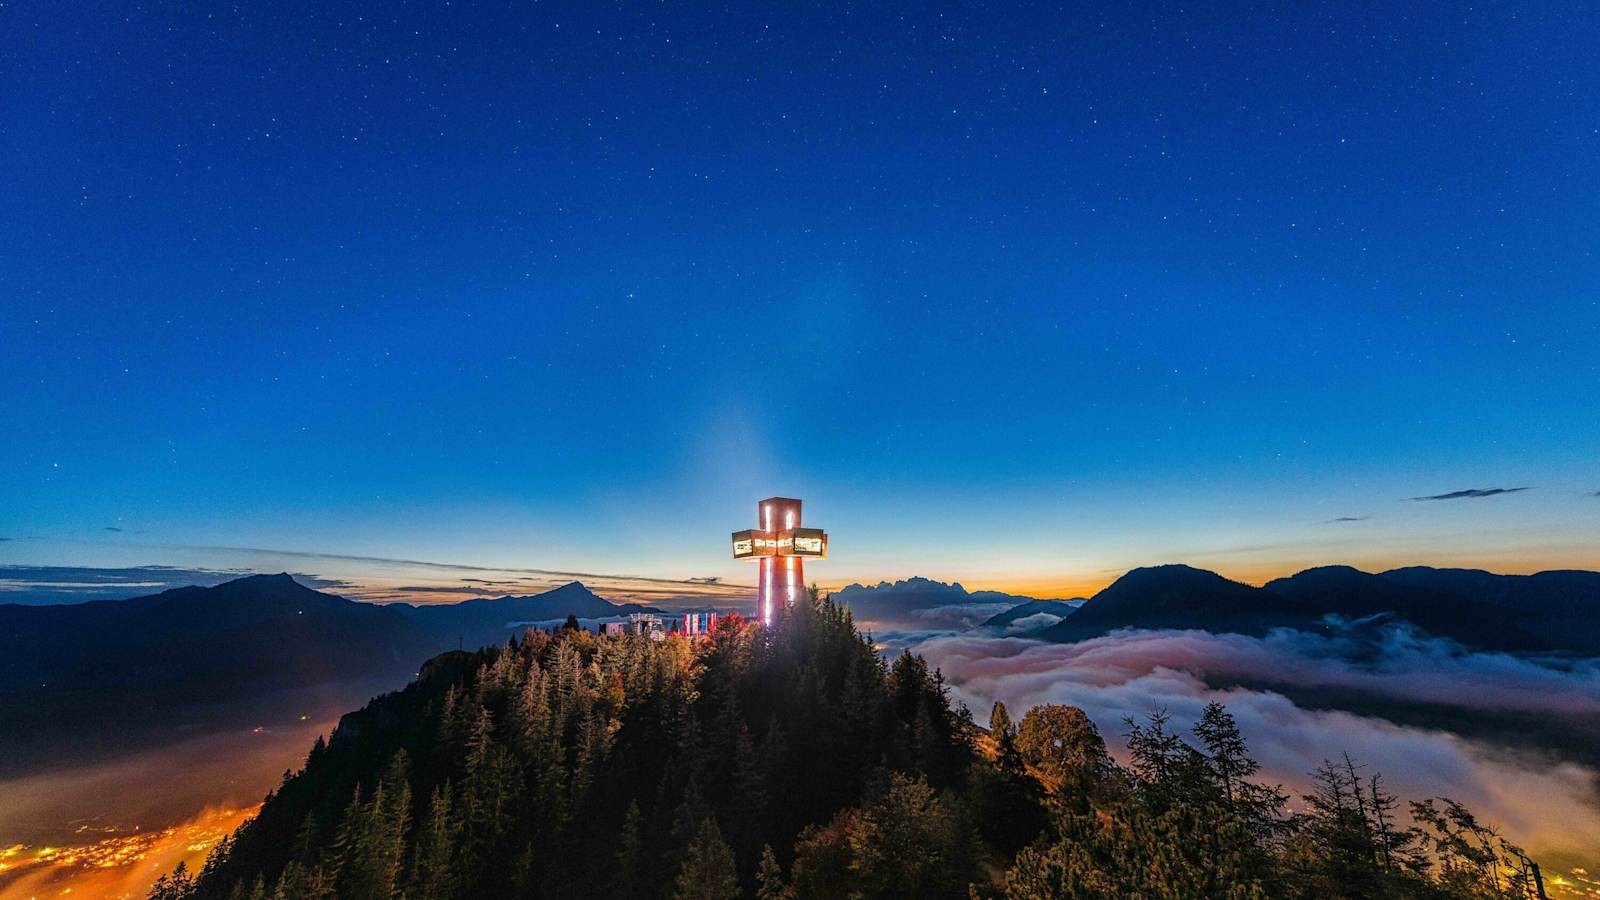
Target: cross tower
x,y
781,546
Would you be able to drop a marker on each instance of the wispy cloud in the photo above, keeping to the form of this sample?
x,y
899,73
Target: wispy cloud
x,y
445,589
453,567
37,585
1471,493
1336,521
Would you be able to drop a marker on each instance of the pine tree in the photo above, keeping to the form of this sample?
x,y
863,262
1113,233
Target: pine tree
x,y
769,877
371,840
1226,755
299,882
1397,847
1227,759
907,845
1167,771
748,818
1007,757
629,881
1474,861
179,885
347,856
391,822
430,875
708,871
1337,851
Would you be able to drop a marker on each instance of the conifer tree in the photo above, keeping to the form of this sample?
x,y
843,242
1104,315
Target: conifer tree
x,y
178,885
299,882
629,881
430,874
769,877
1228,760
1004,732
1225,749
1167,771
708,871
907,845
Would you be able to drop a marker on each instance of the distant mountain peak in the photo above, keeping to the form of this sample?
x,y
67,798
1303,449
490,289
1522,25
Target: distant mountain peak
x,y
488,620
1176,596
911,600
281,578
916,583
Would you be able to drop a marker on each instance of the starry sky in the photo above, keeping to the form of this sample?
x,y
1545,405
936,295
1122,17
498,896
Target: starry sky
x,y
1018,295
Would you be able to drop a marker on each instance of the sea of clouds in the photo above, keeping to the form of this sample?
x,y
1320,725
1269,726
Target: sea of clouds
x,y
1548,802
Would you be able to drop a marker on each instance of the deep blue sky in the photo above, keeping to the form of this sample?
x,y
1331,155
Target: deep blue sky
x,y
1019,295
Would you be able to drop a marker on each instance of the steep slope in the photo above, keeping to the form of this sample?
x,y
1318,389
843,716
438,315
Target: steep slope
x,y
569,765
1176,596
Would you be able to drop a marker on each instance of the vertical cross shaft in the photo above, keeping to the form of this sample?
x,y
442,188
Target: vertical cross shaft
x,y
780,544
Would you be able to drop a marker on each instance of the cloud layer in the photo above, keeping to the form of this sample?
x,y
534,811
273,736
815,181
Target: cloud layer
x,y
1548,805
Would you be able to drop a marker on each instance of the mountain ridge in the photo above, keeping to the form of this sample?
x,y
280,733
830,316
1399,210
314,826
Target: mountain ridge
x,y
1548,612
910,601
101,677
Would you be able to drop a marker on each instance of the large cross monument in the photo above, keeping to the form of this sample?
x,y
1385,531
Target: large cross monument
x,y
781,546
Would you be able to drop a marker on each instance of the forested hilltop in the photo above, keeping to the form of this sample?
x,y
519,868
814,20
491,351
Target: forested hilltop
x,y
793,762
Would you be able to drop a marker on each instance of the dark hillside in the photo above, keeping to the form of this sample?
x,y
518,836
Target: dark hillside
x,y
792,763
568,764
101,678
1178,597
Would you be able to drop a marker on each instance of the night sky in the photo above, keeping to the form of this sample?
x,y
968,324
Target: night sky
x,y
1023,296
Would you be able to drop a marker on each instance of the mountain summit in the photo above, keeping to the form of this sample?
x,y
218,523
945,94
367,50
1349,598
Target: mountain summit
x,y
490,620
1177,596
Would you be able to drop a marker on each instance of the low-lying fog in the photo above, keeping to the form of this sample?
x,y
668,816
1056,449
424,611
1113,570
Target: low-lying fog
x,y
1542,791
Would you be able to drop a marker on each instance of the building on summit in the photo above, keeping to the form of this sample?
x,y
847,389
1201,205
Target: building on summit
x,y
647,624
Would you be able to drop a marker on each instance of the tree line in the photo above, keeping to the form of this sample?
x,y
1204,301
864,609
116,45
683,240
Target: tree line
x,y
795,762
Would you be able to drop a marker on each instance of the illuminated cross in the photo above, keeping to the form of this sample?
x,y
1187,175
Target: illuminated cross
x,y
781,545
